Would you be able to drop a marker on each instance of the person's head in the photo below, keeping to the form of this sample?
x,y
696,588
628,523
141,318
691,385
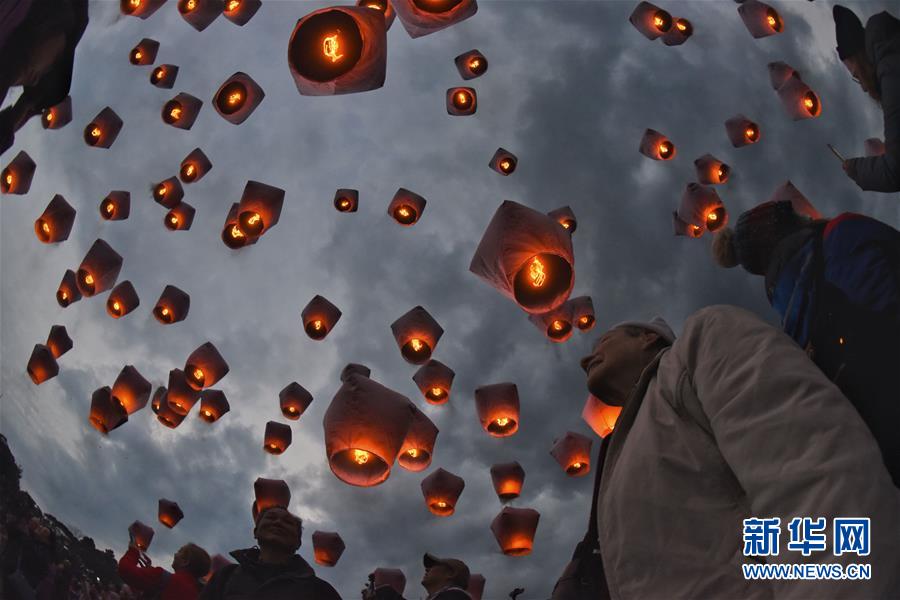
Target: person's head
x,y
193,559
441,573
277,529
851,48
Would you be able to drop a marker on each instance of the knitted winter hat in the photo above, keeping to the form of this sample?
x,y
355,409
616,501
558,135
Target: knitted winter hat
x,y
755,236
851,37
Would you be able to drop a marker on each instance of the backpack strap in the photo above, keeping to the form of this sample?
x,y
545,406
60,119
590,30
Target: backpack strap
x,y
592,533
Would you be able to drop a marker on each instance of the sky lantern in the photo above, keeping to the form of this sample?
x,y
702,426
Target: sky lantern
x,y
527,256
139,8
461,101
168,192
17,175
600,416
406,207
278,437
180,396
779,73
514,529
346,200
583,313
213,404
442,490
874,147
393,578
215,563
384,7
68,291
141,534
475,588
103,130
503,162
498,408
163,76
657,146
573,453
800,203
259,208
42,365
116,206
106,414
232,236
160,397
471,64
237,98
55,223
293,400
421,17
711,170
417,335
701,209
181,111
508,479
58,341
58,115
338,50
742,131
200,13
434,380
555,324
169,513
319,317
172,306
240,12
418,447
271,493
565,216
122,300
130,390
327,547
194,166
650,20
681,30
180,217
205,367
365,427
99,269
799,100
144,53
760,19
167,415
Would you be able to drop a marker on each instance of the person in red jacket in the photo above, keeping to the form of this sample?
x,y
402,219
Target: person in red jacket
x,y
190,563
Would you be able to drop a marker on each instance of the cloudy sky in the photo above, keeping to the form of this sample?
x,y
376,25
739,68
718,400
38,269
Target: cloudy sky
x,y
570,89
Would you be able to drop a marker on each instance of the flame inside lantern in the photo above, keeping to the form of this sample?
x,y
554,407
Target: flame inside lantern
x,y
172,112
666,150
161,190
405,214
377,5
9,178
208,416
507,165
163,313
462,99
343,204
62,297
42,228
442,508
233,236
49,116
436,394
477,65
187,6
576,467
811,103
136,56
159,73
715,219
773,20
416,350
585,322
316,328
109,209
722,172
251,222
232,5
232,98
116,307
197,375
436,6
662,21
172,221
87,281
751,133
326,46
92,134
559,328
541,279
502,426
131,6
188,172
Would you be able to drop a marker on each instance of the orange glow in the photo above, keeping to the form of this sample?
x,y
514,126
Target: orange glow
x,y
317,325
254,219
109,208
9,179
502,421
138,55
198,374
566,224
344,203
361,456
235,98
721,173
163,189
135,3
189,170
536,272
462,98
416,344
236,233
232,5
403,211
575,465
173,220
64,295
585,320
712,217
49,116
474,63
696,231
808,102
665,149
772,21
175,113
331,46
89,279
441,504
95,132
207,414
681,26
751,133
273,447
116,306
45,227
505,165
413,452
159,73
841,341
436,391
557,325
191,5
291,409
165,312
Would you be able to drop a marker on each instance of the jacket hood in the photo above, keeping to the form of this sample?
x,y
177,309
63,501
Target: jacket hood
x,y
296,567
882,33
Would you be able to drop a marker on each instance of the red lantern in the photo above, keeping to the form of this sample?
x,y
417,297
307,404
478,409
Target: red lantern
x,y
68,291
99,269
213,404
555,324
508,479
259,209
168,192
514,529
417,335
160,398
144,53
42,366
140,8
471,64
167,416
103,130
760,19
200,13
565,217
874,147
779,73
116,206
583,312
205,367
600,416
701,209
180,396
742,131
163,76
461,101
800,203
327,547
232,236
657,146
503,162
338,50
194,166
527,256
384,7
421,17
434,380
59,341
573,453
141,534
418,447
122,300
679,33
241,11
498,408
650,20
237,98
130,390
799,100
17,175
180,217
711,170
393,578
58,115
217,561
406,207
346,200
172,306
476,586
55,223
278,437
270,493
294,400
181,111
365,426
441,490
106,414
169,513
319,317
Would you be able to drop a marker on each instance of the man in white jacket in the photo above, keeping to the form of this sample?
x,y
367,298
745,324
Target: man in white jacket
x,y
727,435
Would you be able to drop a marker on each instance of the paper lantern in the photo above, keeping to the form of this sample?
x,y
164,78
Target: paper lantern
x,y
555,324
406,207
42,365
278,437
180,217
346,200
498,408
365,426
779,73
17,175
681,30
874,147
259,208
200,13
232,236
294,400
573,453
583,312
122,300
240,12
383,7
99,269
800,203
194,166
58,341
514,529
106,414
476,586
180,396
139,8
508,479
141,534
160,398
565,217
55,223
163,76
205,367
172,306
169,513
168,192
103,130
167,415
701,210
68,291
130,390
270,493
393,578
213,404
217,561
237,98
600,416
144,53
434,380
527,256
711,170
650,20
657,146
799,100
116,206
319,317
417,335
418,447
441,490
742,131
422,17
338,50
327,547
58,115
471,64
760,19
503,162
181,111
461,101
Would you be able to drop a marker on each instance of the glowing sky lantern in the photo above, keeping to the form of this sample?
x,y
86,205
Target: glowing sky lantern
x,y
141,534
711,170
565,216
601,417
557,325
180,396
327,547
471,64
293,400
180,217
116,206
213,405
650,20
103,129
497,406
422,17
461,101
232,235
205,367
418,446
417,334
779,73
573,453
58,115
200,13
17,175
158,399
122,300
800,203
277,438
270,493
514,530
217,561
167,415
99,269
168,192
131,390
237,98
68,291
679,33
701,210
508,479
582,308
656,146
194,166
442,490
476,586
434,379
799,100
139,8
383,7
106,414
760,19
346,200
406,207
173,305
742,131
259,208
319,317
503,162
163,76
55,223
144,53
181,111
169,513
41,365
58,341
240,12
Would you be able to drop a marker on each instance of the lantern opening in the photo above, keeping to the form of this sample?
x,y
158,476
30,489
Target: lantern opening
x,y
436,6
232,98
502,426
541,279
568,224
273,448
172,221
136,56
436,395
86,280
358,464
188,172
378,5
233,237
131,6
208,416
92,134
509,489
251,222
559,328
666,150
442,508
326,46
232,5
662,21
696,231
507,165
48,118
109,209
811,103
405,214
165,420
316,329
751,132
585,322
415,457
62,297
42,229
684,26
773,20
198,377
163,313
159,73
116,307
722,173
343,204
518,547
477,65
416,351
186,6
715,219
172,112
462,99
576,467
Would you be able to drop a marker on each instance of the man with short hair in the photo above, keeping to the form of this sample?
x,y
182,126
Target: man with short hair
x,y
445,578
189,564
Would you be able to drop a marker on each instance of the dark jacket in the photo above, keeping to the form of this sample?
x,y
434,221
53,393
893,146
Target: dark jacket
x,y
452,593
250,579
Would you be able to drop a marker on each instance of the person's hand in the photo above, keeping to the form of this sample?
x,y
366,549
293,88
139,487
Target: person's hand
x,y
144,560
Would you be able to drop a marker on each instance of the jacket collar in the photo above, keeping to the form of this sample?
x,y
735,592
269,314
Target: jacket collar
x,y
295,567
